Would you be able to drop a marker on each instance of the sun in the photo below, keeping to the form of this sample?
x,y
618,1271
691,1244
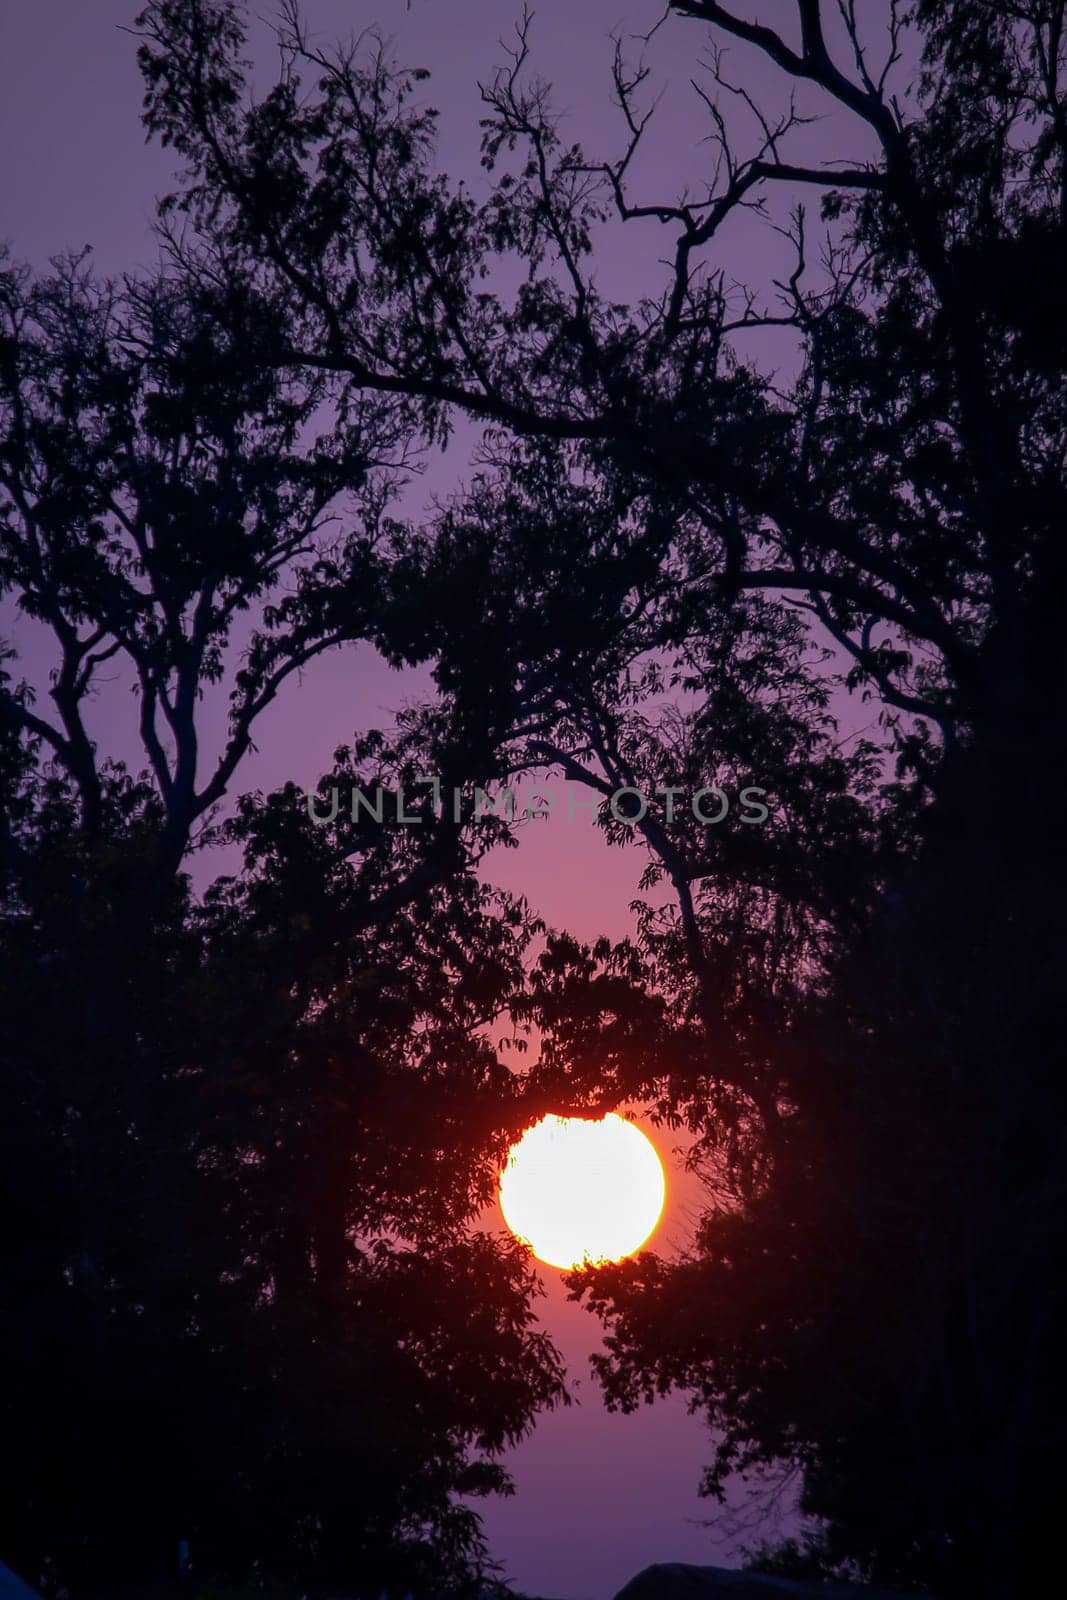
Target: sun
x,y
577,1190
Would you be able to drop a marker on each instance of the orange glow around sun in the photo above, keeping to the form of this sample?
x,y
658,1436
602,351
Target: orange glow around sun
x,y
576,1190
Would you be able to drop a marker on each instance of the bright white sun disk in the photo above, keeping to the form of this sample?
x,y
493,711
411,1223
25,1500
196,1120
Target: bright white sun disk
x,y
577,1190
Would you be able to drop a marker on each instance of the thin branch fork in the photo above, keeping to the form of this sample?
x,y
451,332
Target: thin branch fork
x,y
813,63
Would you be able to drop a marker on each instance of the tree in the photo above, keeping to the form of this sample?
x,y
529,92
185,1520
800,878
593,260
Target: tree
x,y
250,1304
249,1308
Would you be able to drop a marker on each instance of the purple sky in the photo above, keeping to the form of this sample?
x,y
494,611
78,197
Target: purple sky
x,y
598,1496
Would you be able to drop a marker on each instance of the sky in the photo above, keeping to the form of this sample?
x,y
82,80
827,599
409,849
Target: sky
x,y
598,1496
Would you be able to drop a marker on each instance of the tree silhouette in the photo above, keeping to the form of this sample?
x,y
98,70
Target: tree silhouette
x,y
224,1327
253,1307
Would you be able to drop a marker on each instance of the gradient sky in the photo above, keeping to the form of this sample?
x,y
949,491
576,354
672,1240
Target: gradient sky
x,y
598,1497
